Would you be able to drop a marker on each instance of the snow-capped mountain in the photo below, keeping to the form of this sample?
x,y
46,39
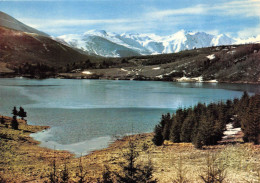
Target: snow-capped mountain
x,y
100,42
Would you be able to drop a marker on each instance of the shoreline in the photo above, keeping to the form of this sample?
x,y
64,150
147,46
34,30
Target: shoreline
x,y
26,161
175,80
41,158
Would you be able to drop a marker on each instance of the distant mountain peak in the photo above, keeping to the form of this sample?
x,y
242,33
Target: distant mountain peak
x,y
104,43
109,44
96,32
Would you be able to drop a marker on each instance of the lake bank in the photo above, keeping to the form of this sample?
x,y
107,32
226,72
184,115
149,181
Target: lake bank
x,y
23,159
105,74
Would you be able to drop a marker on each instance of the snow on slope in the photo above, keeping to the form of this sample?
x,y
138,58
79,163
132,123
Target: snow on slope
x,y
255,39
109,44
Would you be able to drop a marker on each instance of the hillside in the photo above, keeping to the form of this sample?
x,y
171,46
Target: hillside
x,y
11,23
19,48
27,51
240,64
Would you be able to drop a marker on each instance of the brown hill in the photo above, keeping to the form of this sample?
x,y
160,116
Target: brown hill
x,y
11,23
18,48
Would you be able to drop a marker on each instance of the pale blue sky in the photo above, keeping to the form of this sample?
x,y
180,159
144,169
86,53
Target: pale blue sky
x,y
238,18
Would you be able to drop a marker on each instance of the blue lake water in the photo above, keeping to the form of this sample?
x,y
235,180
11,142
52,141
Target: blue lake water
x,y
85,115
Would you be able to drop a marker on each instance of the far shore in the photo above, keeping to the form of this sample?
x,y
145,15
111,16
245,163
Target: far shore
x,y
112,77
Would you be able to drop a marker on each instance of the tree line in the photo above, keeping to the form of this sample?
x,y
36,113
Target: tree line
x,y
204,124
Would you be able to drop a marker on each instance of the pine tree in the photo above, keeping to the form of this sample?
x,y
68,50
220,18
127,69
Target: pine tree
x,y
166,124
2,120
53,177
181,172
158,137
252,130
22,113
197,141
187,127
14,123
147,172
130,169
213,172
133,172
15,112
177,124
206,129
82,173
244,115
64,174
107,176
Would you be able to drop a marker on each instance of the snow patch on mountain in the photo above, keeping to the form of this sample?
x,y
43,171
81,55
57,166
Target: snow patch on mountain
x,y
211,57
255,39
109,44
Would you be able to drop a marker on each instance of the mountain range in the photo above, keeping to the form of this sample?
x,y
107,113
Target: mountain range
x,y
25,51
108,44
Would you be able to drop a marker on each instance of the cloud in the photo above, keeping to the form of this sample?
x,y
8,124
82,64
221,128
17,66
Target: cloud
x,y
161,20
143,24
249,32
246,8
39,23
195,10
242,8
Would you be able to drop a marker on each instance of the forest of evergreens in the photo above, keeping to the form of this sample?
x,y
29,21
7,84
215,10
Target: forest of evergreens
x,y
204,124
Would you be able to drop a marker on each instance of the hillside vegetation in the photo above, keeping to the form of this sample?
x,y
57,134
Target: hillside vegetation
x,y
21,160
21,50
239,64
205,125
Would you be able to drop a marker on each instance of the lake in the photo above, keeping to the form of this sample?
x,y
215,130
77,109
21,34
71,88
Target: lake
x,y
86,115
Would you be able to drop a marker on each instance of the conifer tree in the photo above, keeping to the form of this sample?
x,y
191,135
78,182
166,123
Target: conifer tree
x,y
82,173
251,121
166,124
177,124
130,169
107,176
133,172
22,113
14,123
15,112
64,174
2,120
187,127
197,141
175,132
158,137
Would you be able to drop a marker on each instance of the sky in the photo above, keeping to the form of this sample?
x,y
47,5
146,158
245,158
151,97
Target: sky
x,y
236,18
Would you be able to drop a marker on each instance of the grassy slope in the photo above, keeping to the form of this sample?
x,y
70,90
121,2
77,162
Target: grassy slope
x,y
23,160
17,47
239,64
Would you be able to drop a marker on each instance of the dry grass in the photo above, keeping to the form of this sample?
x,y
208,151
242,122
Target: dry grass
x,y
22,160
